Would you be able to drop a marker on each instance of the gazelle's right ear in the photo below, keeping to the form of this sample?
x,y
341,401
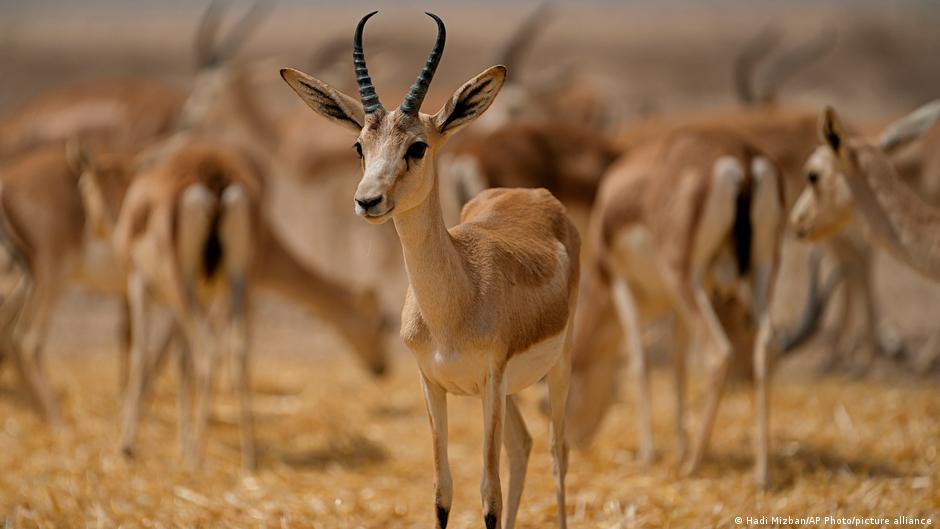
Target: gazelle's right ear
x,y
832,133
910,127
326,100
470,101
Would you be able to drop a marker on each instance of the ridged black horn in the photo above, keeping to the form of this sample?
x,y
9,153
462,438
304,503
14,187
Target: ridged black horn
x,y
415,97
370,100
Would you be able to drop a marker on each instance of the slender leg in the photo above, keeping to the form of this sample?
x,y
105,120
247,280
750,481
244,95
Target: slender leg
x,y
157,355
124,337
239,345
10,309
762,388
184,398
494,407
558,379
235,231
629,318
140,319
206,359
764,277
518,445
29,336
682,343
722,351
435,399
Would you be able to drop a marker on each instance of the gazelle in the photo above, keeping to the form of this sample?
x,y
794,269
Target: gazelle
x,y
850,178
182,161
59,209
490,302
682,224
45,227
786,135
193,240
566,159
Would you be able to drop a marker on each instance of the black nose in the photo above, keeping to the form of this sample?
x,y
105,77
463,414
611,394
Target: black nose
x,y
369,202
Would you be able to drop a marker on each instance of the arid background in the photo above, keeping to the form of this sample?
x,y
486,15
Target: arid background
x,y
339,449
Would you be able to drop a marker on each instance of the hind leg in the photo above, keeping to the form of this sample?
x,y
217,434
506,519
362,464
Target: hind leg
x,y
718,220
30,333
558,380
10,308
629,318
720,353
518,444
139,309
682,344
767,218
197,210
235,231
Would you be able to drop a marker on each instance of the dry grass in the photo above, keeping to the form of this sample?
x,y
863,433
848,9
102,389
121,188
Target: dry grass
x,y
340,451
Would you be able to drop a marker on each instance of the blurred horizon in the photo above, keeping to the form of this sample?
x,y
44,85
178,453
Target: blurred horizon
x,y
641,51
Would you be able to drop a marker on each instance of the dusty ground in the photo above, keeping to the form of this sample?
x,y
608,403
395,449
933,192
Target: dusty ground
x,y
339,450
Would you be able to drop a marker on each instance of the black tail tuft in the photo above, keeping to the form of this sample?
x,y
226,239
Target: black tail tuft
x,y
743,229
212,250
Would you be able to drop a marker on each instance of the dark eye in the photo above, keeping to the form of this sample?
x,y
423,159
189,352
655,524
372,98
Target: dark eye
x,y
416,151
812,177
358,147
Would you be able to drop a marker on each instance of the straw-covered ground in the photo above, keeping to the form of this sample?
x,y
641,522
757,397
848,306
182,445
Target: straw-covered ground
x,y
339,450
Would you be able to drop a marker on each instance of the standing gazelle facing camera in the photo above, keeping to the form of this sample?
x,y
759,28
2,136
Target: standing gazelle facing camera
x,y
490,302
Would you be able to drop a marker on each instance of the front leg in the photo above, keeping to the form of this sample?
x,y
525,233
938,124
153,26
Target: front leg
x,y
494,406
435,399
139,306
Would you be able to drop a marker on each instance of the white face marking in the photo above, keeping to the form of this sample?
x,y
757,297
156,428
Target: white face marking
x,y
825,205
394,176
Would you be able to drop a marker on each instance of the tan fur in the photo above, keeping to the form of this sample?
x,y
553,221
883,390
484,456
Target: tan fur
x,y
115,112
149,230
48,228
566,159
656,251
854,176
490,302
787,134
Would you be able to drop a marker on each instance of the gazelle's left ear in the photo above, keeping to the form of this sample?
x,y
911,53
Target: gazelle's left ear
x,y
832,133
910,127
470,101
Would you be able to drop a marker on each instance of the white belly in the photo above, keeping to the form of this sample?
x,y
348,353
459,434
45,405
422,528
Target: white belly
x,y
464,372
529,366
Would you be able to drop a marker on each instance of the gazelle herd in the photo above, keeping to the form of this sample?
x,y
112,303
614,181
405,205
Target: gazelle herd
x,y
158,197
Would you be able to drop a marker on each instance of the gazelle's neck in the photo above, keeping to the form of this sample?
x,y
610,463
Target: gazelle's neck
x,y
894,215
436,270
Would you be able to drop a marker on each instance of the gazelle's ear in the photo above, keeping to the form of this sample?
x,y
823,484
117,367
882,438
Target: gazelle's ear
x,y
326,100
910,127
470,101
832,133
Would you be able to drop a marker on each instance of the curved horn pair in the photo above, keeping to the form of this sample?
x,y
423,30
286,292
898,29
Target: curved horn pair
x,y
415,96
